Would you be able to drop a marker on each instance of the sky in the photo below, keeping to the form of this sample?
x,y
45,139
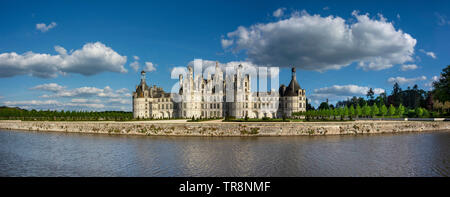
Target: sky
x,y
87,55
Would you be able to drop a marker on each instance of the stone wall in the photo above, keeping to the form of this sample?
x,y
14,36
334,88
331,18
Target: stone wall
x,y
229,128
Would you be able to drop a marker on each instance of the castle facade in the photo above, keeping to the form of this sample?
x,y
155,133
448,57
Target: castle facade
x,y
217,96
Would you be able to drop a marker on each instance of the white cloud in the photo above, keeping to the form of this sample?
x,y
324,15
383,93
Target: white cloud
x,y
52,87
54,105
346,90
149,67
226,43
82,98
406,67
135,66
119,101
44,28
326,8
435,78
122,91
403,80
279,12
92,59
31,102
313,42
340,92
81,92
429,53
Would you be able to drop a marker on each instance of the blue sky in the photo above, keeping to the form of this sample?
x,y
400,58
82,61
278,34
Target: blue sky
x,y
101,38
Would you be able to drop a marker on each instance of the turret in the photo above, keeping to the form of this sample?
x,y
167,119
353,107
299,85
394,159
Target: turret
x,y
294,77
143,79
293,88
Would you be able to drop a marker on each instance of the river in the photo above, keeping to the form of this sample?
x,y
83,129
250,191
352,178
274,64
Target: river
x,y
24,153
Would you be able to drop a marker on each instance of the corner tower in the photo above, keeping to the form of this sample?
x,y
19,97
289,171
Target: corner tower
x,y
292,97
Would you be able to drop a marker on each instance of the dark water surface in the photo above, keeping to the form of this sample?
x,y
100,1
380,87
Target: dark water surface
x,y
71,154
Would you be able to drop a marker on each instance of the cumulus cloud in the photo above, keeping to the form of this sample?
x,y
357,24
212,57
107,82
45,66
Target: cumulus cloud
x,y
82,98
55,105
403,80
313,42
119,101
346,90
44,28
429,53
406,67
92,59
52,87
340,92
31,102
149,67
81,92
226,43
279,12
135,65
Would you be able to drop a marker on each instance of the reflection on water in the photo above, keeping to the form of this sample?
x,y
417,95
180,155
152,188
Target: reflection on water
x,y
62,154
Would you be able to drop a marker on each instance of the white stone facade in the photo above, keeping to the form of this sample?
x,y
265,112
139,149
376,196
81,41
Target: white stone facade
x,y
216,97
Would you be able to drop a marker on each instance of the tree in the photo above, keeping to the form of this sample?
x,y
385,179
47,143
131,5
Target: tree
x,y
346,111
383,110
374,111
396,97
370,94
324,105
335,112
308,105
351,112
358,110
341,113
419,112
391,110
361,101
426,114
400,110
366,110
441,87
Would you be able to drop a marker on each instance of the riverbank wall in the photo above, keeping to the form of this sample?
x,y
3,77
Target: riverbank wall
x,y
217,128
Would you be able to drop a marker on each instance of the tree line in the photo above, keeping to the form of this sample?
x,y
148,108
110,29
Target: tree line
x,y
366,111
8,113
411,102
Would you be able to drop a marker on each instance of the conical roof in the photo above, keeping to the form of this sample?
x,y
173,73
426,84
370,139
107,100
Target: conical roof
x,y
293,88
